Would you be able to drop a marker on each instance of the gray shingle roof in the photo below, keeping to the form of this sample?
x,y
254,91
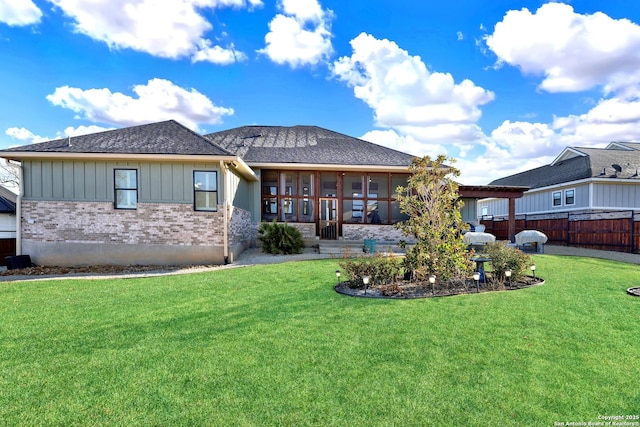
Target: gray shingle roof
x,y
304,144
596,163
168,137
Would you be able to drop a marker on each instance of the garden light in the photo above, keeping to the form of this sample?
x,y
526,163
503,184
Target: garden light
x,y
533,270
365,280
338,276
432,280
507,274
476,277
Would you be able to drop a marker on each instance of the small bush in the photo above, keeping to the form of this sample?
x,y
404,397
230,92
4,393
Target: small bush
x,y
381,270
505,258
280,238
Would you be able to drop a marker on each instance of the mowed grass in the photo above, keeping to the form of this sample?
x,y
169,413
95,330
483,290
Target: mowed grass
x,y
275,345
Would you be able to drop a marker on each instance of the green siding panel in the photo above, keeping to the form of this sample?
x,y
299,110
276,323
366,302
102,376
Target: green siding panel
x,y
93,181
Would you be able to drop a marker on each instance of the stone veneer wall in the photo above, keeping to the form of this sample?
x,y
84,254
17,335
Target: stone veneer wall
x,y
384,233
153,230
240,227
306,229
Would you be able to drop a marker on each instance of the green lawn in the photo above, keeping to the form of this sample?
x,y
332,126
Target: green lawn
x,y
275,345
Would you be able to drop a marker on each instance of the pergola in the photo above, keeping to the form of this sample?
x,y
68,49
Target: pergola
x,y
499,192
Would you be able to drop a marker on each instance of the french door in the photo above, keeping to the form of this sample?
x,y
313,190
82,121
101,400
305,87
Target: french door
x,y
328,218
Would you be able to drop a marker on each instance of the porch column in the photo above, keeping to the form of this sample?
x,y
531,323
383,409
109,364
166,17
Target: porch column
x,y
512,220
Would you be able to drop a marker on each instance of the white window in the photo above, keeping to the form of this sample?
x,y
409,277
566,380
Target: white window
x,y
557,198
125,188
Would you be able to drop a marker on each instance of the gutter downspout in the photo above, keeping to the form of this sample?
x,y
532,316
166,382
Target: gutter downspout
x,y
225,221
18,206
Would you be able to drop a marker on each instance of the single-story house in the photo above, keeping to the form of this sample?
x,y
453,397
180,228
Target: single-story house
x,y
580,180
163,194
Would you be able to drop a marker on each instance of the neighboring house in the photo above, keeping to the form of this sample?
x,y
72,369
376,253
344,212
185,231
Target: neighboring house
x,y
162,194
579,180
7,223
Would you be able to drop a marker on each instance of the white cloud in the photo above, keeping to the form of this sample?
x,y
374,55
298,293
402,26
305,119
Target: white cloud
x,y
217,55
19,13
300,35
24,135
82,130
429,107
573,52
168,29
157,100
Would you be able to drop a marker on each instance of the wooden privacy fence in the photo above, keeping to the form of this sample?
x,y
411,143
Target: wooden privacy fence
x,y
612,231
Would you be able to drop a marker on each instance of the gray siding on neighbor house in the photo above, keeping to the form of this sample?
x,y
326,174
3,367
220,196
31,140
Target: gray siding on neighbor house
x,y
469,210
494,207
538,201
93,180
616,195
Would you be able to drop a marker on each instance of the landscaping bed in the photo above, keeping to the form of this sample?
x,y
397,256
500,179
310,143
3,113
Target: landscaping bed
x,y
410,289
96,270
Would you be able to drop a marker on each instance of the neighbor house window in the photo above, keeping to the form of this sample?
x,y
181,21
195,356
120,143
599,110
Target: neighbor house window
x,y
126,188
205,191
569,197
557,198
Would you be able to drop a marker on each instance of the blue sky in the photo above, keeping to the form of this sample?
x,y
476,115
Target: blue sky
x,y
501,86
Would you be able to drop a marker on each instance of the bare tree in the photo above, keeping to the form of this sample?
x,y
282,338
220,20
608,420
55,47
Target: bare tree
x,y
9,176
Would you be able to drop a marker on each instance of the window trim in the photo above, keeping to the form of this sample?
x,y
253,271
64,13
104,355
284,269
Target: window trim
x,y
573,190
195,191
116,189
553,199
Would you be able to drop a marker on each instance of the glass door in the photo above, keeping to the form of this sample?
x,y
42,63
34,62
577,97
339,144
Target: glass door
x,y
328,218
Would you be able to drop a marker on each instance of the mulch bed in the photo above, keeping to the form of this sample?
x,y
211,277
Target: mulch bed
x,y
411,290
97,270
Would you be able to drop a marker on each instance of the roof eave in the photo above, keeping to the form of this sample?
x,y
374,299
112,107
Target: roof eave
x,y
241,167
567,153
35,155
324,166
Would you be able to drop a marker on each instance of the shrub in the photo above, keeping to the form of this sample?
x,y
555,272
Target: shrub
x,y
505,258
280,238
432,204
381,270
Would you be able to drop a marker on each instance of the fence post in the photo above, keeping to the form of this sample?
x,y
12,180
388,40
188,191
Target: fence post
x,y
633,234
568,230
